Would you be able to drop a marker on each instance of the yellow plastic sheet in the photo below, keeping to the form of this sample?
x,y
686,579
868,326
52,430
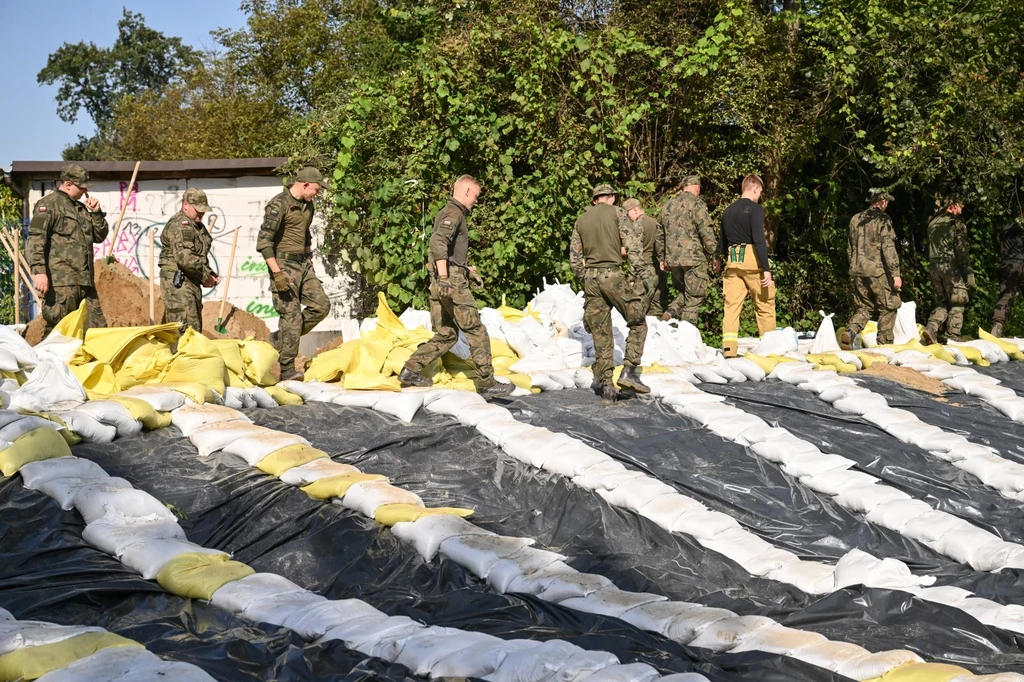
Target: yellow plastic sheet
x,y
280,461
390,514
282,396
231,351
113,344
396,360
923,672
337,486
197,360
73,325
32,662
197,576
34,446
97,378
259,358
145,362
142,411
1011,349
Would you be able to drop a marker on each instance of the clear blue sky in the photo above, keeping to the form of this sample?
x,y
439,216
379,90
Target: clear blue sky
x,y
29,31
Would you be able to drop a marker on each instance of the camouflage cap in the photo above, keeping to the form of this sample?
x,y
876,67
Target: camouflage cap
x,y
310,174
630,204
196,198
691,180
876,194
602,190
72,172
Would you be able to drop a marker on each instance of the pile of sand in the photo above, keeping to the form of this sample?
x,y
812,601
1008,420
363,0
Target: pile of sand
x,y
907,377
240,324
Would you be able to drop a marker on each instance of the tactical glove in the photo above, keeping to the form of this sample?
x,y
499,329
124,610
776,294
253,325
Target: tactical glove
x,y
282,282
476,280
441,287
971,283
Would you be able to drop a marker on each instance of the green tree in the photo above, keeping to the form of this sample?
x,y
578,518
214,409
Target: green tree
x,y
10,219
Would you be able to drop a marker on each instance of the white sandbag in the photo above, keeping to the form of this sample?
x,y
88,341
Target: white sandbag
x,y
707,412
945,594
962,452
630,672
860,568
16,345
474,414
566,585
210,439
875,665
824,380
841,391
10,416
18,428
681,399
234,398
730,428
315,470
704,524
593,476
148,556
778,639
678,621
63,490
1011,407
666,509
35,474
990,557
93,503
684,677
480,659
253,449
784,369
424,649
777,342
16,634
356,398
812,577
542,661
825,338
989,393
479,553
913,433
534,448
90,429
984,610
989,469
426,534
895,515
161,399
114,538
1009,617
727,633
933,525
614,480
113,414
573,458
383,639
968,383
759,434
945,371
192,417
738,544
237,595
830,655
635,494
708,375
279,608
538,379
864,498
261,397
834,481
884,417
611,601
307,390
403,405
963,544
990,350
748,368
769,561
499,431
107,665
783,449
454,402
524,562
859,404
50,386
366,496
815,463
315,620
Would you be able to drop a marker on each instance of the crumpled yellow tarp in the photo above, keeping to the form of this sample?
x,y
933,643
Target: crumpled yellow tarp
x,y
113,344
197,360
97,378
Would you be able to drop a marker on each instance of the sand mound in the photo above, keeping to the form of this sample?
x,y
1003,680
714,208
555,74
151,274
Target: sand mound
x,y
240,324
330,346
124,296
907,377
34,331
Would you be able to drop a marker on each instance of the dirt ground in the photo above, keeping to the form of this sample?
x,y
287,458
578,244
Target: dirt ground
x,y
907,377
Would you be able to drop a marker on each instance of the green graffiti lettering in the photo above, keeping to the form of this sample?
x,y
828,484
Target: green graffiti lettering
x,y
261,310
254,266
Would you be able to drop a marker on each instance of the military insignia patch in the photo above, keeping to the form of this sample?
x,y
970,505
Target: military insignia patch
x,y
447,222
184,222
42,209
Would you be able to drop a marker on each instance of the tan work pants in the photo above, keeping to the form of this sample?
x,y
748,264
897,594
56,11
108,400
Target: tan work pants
x,y
742,276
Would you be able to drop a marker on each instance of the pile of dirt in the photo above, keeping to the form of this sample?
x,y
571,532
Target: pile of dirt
x,y
34,330
240,324
329,346
124,296
907,377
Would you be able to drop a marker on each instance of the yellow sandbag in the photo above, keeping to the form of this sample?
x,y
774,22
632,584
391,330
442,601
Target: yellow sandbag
x,y
767,364
18,376
280,461
397,358
370,381
34,446
195,575
67,434
1011,349
973,355
238,381
503,363
500,349
390,514
520,380
337,486
197,360
283,397
923,672
514,314
192,390
867,358
32,662
113,344
146,361
939,352
365,355
96,377
456,365
259,358
656,368
830,361
231,351
390,329
142,411
162,421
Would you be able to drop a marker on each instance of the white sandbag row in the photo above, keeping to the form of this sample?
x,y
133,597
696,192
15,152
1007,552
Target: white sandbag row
x,y
114,664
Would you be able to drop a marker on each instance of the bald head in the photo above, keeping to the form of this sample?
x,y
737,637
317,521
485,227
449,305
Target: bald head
x,y
467,190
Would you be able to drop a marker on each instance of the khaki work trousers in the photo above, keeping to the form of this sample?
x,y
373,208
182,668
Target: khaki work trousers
x,y
742,276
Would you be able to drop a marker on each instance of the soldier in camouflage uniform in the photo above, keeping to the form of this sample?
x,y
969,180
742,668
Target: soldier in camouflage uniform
x,y
689,241
875,269
951,274
59,249
185,248
286,243
1011,262
651,237
600,238
452,305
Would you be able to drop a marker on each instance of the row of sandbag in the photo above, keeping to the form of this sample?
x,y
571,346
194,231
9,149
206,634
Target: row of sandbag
x,y
32,649
136,528
509,564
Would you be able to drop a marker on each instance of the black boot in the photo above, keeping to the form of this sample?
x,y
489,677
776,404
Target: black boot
x,y
499,389
630,378
846,340
608,395
289,373
928,336
407,377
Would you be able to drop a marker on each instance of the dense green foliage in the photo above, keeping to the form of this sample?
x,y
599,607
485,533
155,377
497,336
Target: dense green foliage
x,y
542,99
10,219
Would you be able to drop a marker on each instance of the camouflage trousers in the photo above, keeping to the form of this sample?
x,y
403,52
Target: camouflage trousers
x,y
59,302
692,284
451,310
1012,276
871,295
295,319
604,289
659,292
647,280
950,298
184,304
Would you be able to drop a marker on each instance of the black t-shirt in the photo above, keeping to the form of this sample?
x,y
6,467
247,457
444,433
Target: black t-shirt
x,y
743,223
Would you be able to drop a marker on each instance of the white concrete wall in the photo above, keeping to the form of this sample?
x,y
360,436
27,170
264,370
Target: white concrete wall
x,y
237,203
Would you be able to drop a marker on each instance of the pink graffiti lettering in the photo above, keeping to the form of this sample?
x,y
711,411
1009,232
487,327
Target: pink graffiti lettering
x,y
132,199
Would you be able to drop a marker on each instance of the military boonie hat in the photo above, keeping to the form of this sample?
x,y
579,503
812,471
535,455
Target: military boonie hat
x,y
602,191
196,198
74,173
630,204
310,174
876,194
691,180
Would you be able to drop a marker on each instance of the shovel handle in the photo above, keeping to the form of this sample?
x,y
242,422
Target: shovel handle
x,y
227,278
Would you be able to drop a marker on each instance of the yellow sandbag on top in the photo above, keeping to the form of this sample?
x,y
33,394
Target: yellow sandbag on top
x,y
456,365
193,390
197,360
522,381
939,352
195,575
867,358
370,381
34,446
144,412
1010,348
503,363
284,397
73,324
514,314
830,361
32,662
366,356
96,378
280,461
767,364
113,344
238,381
500,349
973,355
390,514
145,363
231,351
923,672
337,486
259,358
390,328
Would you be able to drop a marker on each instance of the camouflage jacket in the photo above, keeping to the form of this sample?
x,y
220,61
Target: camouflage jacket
x,y
872,246
60,239
450,238
1011,242
687,235
948,243
285,227
599,236
652,237
185,245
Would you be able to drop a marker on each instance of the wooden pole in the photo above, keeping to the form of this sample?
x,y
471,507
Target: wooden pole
x,y
227,284
19,261
124,206
152,276
17,279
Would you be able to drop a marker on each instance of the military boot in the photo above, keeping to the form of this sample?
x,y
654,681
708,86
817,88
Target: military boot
x,y
630,378
997,329
846,340
289,373
608,395
499,389
666,316
928,336
407,377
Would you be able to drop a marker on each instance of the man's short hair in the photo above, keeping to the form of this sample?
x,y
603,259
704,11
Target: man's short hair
x,y
752,181
462,179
